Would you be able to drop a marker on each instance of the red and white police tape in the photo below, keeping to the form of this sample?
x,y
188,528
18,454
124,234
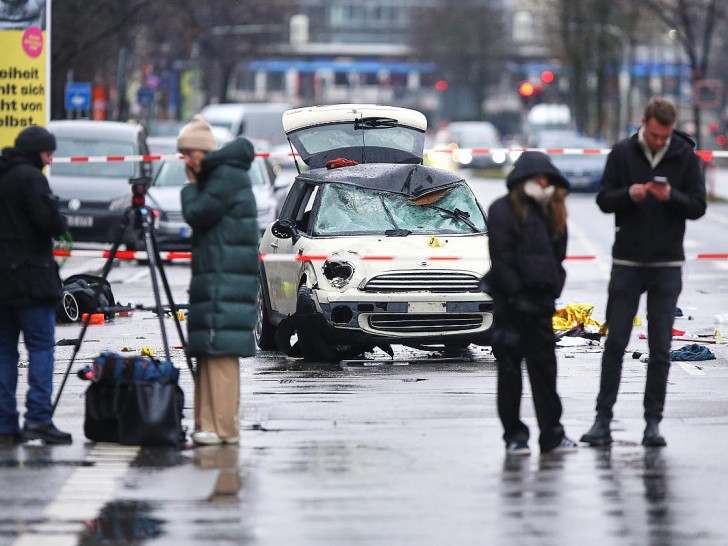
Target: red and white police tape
x,y
181,255
706,155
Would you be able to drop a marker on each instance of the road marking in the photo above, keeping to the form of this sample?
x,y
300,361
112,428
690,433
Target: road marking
x,y
691,369
81,498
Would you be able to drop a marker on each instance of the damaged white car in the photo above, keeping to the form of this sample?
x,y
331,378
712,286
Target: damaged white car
x,y
371,247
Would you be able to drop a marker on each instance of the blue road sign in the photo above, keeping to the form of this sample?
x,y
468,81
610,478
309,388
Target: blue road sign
x,y
78,96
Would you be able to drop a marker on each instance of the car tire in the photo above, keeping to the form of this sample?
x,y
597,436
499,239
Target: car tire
x,y
265,332
312,347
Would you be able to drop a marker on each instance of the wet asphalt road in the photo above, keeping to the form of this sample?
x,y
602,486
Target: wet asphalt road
x,y
396,454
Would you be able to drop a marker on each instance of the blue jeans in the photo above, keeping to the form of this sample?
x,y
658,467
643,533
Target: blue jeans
x,y
626,285
37,323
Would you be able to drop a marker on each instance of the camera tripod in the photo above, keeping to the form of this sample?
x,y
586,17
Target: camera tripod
x,y
137,217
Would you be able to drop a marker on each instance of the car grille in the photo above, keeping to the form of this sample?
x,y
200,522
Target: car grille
x,y
425,281
426,323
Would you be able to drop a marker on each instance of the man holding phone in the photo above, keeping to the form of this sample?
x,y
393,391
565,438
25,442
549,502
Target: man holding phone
x,y
652,183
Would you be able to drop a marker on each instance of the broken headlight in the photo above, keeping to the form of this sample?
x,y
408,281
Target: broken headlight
x,y
338,272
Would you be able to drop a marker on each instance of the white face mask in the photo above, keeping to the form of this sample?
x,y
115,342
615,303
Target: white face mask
x,y
539,194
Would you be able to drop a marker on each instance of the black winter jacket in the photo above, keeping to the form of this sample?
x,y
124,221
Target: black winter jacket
x,y
224,287
526,264
652,230
29,219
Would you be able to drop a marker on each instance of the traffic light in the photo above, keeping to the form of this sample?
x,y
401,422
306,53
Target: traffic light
x,y
441,85
526,89
547,76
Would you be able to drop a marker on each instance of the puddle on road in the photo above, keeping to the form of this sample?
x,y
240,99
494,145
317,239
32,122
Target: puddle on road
x,y
123,522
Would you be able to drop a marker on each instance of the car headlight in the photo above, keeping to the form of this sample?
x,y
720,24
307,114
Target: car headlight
x,y
120,203
463,157
338,272
498,156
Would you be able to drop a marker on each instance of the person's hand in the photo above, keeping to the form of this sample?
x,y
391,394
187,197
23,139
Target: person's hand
x,y
660,191
638,192
191,178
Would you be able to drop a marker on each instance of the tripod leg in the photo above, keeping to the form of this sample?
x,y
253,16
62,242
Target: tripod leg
x,y
170,300
152,262
125,221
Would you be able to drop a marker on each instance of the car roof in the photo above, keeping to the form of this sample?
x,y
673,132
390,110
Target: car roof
x,y
88,129
309,116
409,180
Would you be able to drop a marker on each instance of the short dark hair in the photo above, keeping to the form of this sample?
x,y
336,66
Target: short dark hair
x,y
662,110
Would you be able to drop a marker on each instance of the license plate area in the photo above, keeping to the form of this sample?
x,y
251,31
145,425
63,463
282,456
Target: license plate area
x,y
427,307
80,221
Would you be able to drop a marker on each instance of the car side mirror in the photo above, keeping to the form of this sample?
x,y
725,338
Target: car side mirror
x,y
285,229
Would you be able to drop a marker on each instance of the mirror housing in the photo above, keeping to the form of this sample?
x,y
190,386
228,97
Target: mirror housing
x,y
285,229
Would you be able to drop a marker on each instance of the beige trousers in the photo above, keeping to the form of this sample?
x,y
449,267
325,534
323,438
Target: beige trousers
x,y
217,395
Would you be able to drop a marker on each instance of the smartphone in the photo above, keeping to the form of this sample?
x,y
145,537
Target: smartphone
x,y
660,180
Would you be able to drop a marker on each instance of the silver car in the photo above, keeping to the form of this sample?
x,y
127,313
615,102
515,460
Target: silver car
x,y
163,197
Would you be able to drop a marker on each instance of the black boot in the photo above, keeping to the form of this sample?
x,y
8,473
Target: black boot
x,y
652,437
46,432
599,435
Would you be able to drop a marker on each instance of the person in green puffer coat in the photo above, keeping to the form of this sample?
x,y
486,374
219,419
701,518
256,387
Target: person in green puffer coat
x,y
219,205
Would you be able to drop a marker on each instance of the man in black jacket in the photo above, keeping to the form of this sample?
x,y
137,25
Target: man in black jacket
x,y
29,285
652,183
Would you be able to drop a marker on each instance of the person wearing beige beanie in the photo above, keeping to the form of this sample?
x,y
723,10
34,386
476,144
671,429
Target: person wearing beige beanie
x,y
219,205
195,139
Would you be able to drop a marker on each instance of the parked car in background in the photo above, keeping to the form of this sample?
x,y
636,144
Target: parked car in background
x,y
378,200
462,137
583,170
255,120
164,198
94,195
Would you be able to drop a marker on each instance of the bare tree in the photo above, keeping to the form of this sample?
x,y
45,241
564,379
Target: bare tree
x,y
695,23
463,38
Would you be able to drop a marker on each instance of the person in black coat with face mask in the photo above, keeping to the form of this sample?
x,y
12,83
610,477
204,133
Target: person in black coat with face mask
x,y
527,243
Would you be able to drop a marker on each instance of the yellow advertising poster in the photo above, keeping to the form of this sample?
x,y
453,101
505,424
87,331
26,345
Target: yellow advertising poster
x,y
23,69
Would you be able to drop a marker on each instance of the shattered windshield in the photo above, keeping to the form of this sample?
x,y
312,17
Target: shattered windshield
x,y
352,210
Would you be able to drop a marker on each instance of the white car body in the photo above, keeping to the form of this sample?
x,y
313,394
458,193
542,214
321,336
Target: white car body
x,y
371,254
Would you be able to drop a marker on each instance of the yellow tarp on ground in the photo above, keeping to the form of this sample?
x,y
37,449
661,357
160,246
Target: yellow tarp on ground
x,y
573,315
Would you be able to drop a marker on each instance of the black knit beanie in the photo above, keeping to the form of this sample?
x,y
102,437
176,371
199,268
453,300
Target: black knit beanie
x,y
35,139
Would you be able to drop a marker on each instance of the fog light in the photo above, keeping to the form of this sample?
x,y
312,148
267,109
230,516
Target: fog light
x,y
341,314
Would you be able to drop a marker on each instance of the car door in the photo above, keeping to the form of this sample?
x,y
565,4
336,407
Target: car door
x,y
280,269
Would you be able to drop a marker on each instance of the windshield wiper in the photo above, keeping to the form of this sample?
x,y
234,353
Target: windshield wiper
x,y
458,214
375,122
397,231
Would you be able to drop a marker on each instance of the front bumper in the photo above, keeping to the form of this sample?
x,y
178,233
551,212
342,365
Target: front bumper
x,y
93,225
434,318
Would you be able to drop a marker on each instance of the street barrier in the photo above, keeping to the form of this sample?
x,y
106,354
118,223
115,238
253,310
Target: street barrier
x,y
705,155
179,255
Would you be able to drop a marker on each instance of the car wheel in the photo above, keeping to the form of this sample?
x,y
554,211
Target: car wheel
x,y
312,347
69,309
265,332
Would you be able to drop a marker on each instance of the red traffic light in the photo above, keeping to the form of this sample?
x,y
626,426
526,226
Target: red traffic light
x,y
440,85
526,89
547,76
